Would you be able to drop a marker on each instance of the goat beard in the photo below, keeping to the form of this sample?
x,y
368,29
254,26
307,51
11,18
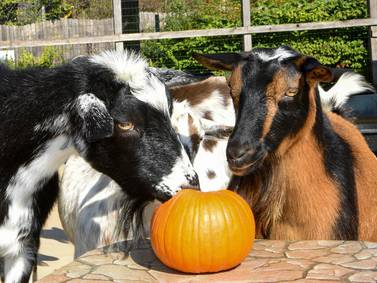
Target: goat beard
x,y
131,222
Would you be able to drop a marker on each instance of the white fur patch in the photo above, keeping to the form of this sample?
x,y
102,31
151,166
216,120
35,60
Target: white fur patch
x,y
58,124
214,105
183,126
23,185
89,102
218,165
132,69
14,268
89,205
179,177
280,54
348,84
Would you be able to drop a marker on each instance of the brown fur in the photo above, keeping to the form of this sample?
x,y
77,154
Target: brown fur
x,y
235,83
211,174
365,175
293,205
288,207
194,135
208,115
292,196
196,93
209,144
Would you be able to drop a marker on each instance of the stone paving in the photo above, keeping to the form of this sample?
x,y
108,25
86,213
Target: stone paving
x,y
269,261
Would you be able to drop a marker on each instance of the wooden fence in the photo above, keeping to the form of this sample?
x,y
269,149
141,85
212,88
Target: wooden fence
x,y
68,29
77,37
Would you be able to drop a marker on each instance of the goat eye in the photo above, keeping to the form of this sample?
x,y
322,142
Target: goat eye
x,y
291,92
127,126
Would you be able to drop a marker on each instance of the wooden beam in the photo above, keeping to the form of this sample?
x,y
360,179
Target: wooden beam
x,y
117,12
246,22
372,5
190,33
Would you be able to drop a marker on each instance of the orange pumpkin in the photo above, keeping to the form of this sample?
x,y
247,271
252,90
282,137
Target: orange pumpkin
x,y
200,232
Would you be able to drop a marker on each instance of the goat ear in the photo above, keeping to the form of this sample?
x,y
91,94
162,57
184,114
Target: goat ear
x,y
314,70
221,61
97,122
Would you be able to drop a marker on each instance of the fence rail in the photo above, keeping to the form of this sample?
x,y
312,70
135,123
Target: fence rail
x,y
189,33
68,35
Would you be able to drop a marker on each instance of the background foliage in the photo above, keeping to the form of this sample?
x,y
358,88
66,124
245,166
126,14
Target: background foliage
x,y
343,48
49,57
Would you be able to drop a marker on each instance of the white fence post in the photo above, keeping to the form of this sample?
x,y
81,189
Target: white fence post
x,y
117,12
246,21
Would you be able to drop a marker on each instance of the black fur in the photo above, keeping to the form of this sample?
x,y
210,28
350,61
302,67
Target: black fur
x,y
90,101
338,159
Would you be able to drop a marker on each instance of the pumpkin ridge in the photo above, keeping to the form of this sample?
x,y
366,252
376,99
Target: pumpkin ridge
x,y
188,203
250,220
170,204
228,225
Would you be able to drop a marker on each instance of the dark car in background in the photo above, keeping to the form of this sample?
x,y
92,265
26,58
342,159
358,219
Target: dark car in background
x,y
364,110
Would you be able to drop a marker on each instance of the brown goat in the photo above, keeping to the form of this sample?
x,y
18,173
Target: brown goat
x,y
306,173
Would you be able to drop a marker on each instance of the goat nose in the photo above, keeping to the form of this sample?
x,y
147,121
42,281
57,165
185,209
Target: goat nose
x,y
235,151
193,182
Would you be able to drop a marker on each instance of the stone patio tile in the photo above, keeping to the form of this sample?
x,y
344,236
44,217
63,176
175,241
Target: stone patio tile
x,y
307,254
96,277
362,264
312,281
76,271
273,244
266,254
239,275
325,243
273,276
130,263
370,245
98,259
304,263
327,272
365,276
87,281
71,267
366,253
53,278
305,245
347,248
280,266
252,263
171,277
132,281
122,272
335,258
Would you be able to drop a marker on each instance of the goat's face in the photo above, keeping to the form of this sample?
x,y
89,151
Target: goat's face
x,y
274,92
138,147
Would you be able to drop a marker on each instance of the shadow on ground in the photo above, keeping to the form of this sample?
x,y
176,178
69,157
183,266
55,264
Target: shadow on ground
x,y
55,234
43,258
141,254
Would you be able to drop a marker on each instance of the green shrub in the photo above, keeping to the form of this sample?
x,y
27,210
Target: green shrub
x,y
49,57
343,47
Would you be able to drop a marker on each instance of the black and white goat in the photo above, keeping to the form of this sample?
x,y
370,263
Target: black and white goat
x,y
109,109
90,203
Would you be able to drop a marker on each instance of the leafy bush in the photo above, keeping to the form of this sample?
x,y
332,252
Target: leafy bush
x,y
49,57
343,47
